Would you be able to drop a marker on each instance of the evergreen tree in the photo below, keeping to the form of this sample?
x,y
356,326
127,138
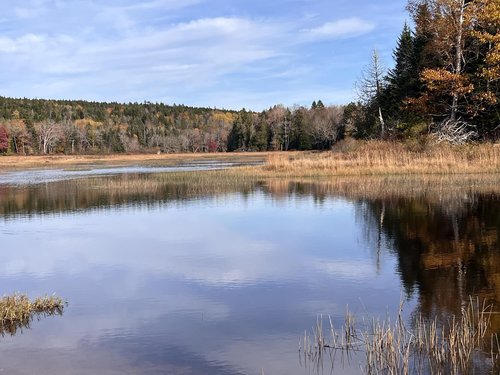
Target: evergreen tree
x,y
301,139
236,137
403,78
260,138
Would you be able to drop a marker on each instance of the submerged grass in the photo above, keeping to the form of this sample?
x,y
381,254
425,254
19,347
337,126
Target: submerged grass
x,y
458,346
17,311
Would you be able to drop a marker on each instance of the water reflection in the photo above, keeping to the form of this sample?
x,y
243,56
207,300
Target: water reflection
x,y
189,274
446,252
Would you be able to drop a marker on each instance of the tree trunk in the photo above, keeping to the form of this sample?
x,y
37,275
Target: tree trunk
x,y
458,58
382,123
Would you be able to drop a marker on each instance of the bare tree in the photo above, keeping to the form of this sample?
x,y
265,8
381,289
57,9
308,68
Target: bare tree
x,y
370,86
280,126
454,132
48,135
325,124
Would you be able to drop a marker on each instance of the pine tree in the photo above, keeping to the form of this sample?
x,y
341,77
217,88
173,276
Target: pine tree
x,y
403,79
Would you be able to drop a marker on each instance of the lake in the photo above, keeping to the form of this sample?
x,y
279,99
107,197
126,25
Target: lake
x,y
168,271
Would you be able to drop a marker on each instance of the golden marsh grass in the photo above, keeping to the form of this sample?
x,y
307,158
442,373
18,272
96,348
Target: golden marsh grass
x,y
349,157
17,311
383,158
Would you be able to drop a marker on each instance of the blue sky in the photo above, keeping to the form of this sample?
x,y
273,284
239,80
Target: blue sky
x,y
223,53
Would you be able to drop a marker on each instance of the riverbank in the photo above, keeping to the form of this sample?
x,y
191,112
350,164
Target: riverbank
x,y
64,161
353,158
381,158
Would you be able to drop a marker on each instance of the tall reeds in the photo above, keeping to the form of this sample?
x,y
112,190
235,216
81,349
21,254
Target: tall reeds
x,y
427,346
378,157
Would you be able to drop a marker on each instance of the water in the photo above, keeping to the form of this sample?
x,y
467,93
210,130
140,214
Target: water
x,y
167,275
39,176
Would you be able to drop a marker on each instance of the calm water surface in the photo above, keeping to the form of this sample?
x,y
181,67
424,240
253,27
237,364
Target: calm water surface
x,y
167,277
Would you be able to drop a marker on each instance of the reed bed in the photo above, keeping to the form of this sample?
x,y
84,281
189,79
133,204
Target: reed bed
x,y
17,311
428,346
382,158
449,191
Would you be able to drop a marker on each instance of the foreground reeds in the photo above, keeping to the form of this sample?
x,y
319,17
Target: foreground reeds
x,y
18,311
459,345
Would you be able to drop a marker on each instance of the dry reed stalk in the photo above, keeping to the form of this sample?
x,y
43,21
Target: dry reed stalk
x,y
430,346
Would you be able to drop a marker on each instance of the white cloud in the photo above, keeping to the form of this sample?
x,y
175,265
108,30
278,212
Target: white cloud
x,y
24,43
344,28
184,52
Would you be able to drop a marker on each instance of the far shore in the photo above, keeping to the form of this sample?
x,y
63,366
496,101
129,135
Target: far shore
x,y
353,158
60,160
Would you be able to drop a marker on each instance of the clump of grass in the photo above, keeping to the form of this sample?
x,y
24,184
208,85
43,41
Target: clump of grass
x,y
427,347
17,311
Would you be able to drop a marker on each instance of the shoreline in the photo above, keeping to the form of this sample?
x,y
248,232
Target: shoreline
x,y
11,162
368,158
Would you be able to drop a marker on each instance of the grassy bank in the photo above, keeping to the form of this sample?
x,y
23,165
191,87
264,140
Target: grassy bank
x,y
65,161
348,158
384,158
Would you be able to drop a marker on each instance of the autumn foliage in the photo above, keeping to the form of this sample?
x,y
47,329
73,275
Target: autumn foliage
x,y
4,140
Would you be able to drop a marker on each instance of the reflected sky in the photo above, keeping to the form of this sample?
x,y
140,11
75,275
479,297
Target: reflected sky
x,y
189,274
221,284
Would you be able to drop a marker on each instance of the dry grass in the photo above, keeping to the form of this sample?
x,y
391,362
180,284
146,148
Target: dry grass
x,y
376,158
349,158
17,311
12,162
428,347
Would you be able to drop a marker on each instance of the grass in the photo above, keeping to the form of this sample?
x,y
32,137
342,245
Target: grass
x,y
428,346
36,161
445,190
383,158
349,157
17,311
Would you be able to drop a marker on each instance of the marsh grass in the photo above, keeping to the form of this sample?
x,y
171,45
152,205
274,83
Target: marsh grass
x,y
349,157
382,158
17,311
428,346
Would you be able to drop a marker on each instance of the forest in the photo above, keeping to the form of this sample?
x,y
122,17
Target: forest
x,y
444,86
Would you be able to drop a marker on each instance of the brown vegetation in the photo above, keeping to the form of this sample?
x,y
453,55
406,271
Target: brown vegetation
x,y
383,158
17,311
10,162
428,346
349,157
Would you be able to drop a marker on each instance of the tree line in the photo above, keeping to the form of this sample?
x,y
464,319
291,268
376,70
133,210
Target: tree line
x,y
445,82
33,126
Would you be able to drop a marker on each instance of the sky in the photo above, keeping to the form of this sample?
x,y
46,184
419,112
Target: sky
x,y
213,53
